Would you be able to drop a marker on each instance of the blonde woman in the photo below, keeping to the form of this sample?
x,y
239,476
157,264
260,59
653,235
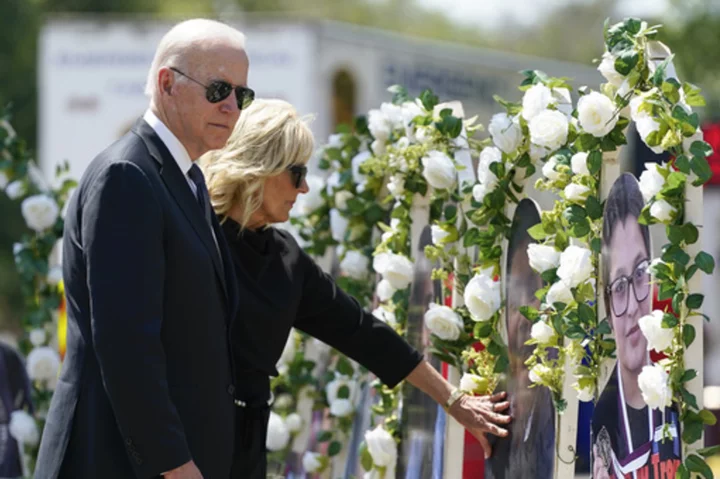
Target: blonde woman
x,y
253,183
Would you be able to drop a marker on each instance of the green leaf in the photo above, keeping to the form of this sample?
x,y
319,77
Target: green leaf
x,y
709,451
334,448
669,321
324,436
695,301
708,418
626,61
537,232
701,149
586,313
705,262
688,334
365,458
549,275
682,472
688,375
596,245
675,234
702,169
344,367
593,208
494,348
682,163
674,254
428,99
691,233
692,95
400,94
343,392
529,312
450,212
501,365
471,238
696,464
693,430
677,301
603,327
594,161
579,230
482,329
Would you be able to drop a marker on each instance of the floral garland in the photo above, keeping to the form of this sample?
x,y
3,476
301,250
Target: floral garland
x,y
37,258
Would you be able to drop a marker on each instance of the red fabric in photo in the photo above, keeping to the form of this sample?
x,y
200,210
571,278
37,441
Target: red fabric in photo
x,y
711,134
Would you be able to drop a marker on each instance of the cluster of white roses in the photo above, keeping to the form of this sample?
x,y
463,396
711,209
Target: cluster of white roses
x,y
383,449
281,430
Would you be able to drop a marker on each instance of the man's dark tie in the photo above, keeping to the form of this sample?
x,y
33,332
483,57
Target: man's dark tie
x,y
203,198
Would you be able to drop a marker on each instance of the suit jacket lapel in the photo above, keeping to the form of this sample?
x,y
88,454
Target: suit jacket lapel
x,y
178,186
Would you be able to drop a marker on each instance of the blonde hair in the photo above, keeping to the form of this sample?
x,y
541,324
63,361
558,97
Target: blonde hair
x,y
267,139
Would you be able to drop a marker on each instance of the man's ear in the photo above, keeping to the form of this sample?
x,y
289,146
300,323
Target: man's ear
x,y
166,79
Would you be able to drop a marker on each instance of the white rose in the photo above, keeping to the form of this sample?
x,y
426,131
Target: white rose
x,y
395,268
338,225
575,265
55,275
559,293
387,317
536,99
378,147
396,186
439,170
653,382
543,257
311,462
38,336
355,264
443,322
549,129
549,171
40,212
43,364
575,192
438,234
332,390
480,191
596,114
423,135
402,143
283,401
645,125
658,337
24,428
356,162
537,153
294,422
687,142
335,141
542,332
585,394
381,446
379,125
539,373
409,110
15,189
472,383
4,180
578,163
341,408
651,181
385,290
505,132
488,156
394,114
662,211
341,199
607,69
482,297
278,435
333,182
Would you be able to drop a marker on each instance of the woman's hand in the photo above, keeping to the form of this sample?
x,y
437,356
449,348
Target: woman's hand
x,y
599,466
480,415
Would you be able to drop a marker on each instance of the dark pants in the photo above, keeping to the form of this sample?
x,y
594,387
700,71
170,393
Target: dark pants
x,y
249,460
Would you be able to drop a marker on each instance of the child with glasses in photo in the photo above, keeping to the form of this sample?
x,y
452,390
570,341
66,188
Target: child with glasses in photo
x,y
628,437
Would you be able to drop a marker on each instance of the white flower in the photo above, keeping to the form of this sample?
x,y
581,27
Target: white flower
x,y
4,180
662,211
482,297
562,101
549,171
651,181
387,317
379,125
536,99
278,434
409,110
341,199
384,290
439,235
542,332
607,69
575,265
439,170
333,182
38,336
378,147
423,135
472,383
288,352
575,192
584,394
396,186
24,428
537,153
40,212
687,142
653,382
15,189
480,191
645,124
505,132
488,156
543,257
539,373
55,275
596,114
393,113
335,141
355,264
311,462
294,422
334,387
356,162
402,143
578,163
395,268
658,337
382,447
443,322
338,225
559,293
549,129
341,408
43,364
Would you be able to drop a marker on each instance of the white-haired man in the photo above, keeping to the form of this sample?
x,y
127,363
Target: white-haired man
x,y
146,389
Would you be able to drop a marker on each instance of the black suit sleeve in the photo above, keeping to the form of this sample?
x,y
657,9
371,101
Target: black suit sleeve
x,y
331,315
123,243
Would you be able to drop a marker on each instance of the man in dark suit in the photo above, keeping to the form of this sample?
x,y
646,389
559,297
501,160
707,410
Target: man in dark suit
x,y
146,389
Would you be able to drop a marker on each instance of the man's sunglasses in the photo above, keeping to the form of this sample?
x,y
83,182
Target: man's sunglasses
x,y
298,174
218,90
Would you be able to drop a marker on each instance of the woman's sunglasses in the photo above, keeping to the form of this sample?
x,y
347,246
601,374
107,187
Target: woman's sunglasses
x,y
298,174
218,90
